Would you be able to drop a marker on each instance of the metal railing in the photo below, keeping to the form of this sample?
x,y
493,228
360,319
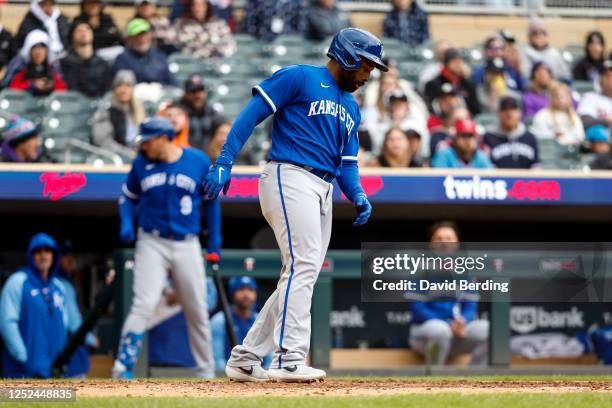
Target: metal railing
x,y
89,148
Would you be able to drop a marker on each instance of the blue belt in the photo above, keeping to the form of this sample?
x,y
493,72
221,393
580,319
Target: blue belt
x,y
171,236
323,175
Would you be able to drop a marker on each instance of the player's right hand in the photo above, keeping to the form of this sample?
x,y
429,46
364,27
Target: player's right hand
x,y
127,234
218,178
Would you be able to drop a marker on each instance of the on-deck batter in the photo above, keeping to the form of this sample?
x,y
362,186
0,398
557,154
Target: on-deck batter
x,y
164,188
314,140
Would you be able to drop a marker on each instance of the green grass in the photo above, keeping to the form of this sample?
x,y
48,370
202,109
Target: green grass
x,y
442,400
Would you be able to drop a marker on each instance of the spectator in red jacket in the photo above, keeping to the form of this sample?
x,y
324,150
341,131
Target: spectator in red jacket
x,y
32,70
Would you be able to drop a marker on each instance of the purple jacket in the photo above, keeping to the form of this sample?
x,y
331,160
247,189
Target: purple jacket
x,y
533,102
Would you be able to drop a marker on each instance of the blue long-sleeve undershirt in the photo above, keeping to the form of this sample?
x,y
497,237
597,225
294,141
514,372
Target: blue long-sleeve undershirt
x,y
252,115
348,180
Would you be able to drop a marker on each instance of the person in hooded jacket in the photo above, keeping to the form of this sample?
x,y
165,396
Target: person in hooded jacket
x,y
45,15
34,323
33,70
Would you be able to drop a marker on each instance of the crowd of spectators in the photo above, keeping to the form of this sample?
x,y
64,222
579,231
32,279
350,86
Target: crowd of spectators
x,y
493,112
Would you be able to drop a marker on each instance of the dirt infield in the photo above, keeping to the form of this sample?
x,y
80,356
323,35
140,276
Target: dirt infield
x,y
330,387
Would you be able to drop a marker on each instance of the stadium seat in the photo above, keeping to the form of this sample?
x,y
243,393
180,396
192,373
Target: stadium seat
x,y
572,53
239,68
487,120
182,65
554,155
68,103
410,70
583,87
20,103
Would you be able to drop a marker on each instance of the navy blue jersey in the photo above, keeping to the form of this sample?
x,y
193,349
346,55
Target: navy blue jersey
x,y
315,123
169,195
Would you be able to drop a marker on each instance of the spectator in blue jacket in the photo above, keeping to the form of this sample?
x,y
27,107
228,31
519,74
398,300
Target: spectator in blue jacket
x,y
493,50
34,322
444,328
463,150
407,22
148,63
243,298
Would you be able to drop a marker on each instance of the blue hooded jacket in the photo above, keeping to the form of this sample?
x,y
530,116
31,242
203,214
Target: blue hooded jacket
x,y
33,319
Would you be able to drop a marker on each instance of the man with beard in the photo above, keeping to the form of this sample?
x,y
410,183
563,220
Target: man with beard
x,y
314,141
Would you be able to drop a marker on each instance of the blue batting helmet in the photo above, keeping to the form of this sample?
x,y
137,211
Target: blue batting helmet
x,y
155,127
239,282
352,44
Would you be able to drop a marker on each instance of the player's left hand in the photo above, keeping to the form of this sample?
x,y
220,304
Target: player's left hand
x,y
218,178
364,210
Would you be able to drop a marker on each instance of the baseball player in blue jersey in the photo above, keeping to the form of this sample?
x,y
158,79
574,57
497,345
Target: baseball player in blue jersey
x,y
314,141
164,190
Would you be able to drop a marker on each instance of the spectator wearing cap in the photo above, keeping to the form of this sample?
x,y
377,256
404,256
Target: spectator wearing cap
x,y
598,138
432,70
105,31
539,50
511,52
596,107
323,19
407,22
82,69
8,46
202,116
140,56
33,321
442,136
559,121
115,125
399,113
267,19
203,35
463,150
590,67
46,16
494,85
512,146
400,149
537,95
33,70
243,298
495,61
21,141
164,34
442,106
453,72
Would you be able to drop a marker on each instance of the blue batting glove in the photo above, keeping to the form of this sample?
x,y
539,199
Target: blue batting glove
x,y
364,210
218,177
127,234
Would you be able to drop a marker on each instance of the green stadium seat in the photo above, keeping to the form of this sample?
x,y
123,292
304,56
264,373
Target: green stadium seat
x,y
68,103
583,87
410,70
20,103
239,68
487,120
183,65
572,53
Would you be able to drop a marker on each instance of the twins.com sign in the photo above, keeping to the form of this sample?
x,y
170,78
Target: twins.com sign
x,y
476,188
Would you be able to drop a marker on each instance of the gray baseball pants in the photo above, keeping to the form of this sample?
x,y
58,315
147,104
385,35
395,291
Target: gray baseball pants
x,y
298,207
434,339
154,258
